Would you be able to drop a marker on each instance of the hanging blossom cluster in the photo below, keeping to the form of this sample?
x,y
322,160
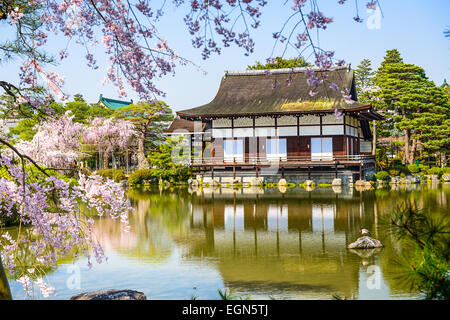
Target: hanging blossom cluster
x,y
15,15
60,228
109,134
296,33
56,142
221,17
138,54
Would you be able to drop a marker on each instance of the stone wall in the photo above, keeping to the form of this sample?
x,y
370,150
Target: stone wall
x,y
347,176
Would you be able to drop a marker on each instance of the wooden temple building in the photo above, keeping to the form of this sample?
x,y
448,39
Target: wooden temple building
x,y
272,124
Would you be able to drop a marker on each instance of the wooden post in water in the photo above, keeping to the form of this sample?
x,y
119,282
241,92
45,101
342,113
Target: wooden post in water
x,y
360,171
234,168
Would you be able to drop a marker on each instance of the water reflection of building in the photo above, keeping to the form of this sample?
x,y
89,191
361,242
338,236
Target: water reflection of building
x,y
292,242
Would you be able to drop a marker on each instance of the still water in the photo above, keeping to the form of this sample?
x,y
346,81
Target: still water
x,y
259,242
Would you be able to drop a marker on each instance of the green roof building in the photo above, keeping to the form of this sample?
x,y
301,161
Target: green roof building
x,y
445,84
113,104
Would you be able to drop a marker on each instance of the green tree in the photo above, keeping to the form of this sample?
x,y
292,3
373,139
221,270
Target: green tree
x,y
364,88
167,161
83,111
414,104
25,129
364,77
280,63
428,269
149,119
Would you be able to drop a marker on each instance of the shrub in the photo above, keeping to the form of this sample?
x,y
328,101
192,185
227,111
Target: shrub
x,y
402,175
382,175
394,172
324,185
446,170
413,169
435,171
119,175
423,169
139,176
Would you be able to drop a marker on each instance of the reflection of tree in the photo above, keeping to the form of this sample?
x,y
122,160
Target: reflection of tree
x,y
155,217
396,262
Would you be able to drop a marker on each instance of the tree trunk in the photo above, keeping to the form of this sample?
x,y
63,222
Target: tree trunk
x,y
406,137
374,139
105,160
5,292
142,160
412,154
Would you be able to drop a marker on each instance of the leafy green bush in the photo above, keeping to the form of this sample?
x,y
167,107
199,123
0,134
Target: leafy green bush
x,y
382,175
139,176
402,175
394,172
423,169
446,170
435,171
119,175
413,169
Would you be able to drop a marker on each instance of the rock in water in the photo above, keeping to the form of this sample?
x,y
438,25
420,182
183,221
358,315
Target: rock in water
x,y
111,294
365,242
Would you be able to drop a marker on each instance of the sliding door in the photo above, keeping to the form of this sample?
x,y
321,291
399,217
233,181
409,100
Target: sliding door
x,y
321,149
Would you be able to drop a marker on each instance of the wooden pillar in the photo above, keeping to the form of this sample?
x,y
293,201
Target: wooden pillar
x,y
309,173
282,172
256,171
336,169
234,170
360,171
212,172
321,125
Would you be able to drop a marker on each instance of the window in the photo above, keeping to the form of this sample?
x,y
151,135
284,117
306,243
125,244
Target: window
x,y
321,148
276,149
233,150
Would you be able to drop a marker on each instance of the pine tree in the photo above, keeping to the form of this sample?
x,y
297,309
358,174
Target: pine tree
x,y
363,77
364,88
415,105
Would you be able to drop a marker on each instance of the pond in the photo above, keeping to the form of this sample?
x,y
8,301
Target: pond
x,y
259,242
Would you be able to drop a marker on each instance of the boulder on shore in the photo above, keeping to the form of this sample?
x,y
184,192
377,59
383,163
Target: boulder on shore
x,y
365,242
111,294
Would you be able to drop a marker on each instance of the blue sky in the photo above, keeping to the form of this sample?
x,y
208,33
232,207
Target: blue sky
x,y
414,27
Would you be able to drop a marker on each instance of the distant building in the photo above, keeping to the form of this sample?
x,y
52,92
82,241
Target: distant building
x,y
113,104
259,118
446,86
6,124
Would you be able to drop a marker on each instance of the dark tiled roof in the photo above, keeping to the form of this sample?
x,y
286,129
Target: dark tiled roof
x,y
256,92
179,124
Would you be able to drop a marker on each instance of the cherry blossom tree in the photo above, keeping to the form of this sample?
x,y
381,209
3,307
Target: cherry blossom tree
x,y
60,227
109,135
56,142
50,204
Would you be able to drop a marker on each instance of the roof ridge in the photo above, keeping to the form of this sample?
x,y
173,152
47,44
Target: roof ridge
x,y
116,100
282,71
